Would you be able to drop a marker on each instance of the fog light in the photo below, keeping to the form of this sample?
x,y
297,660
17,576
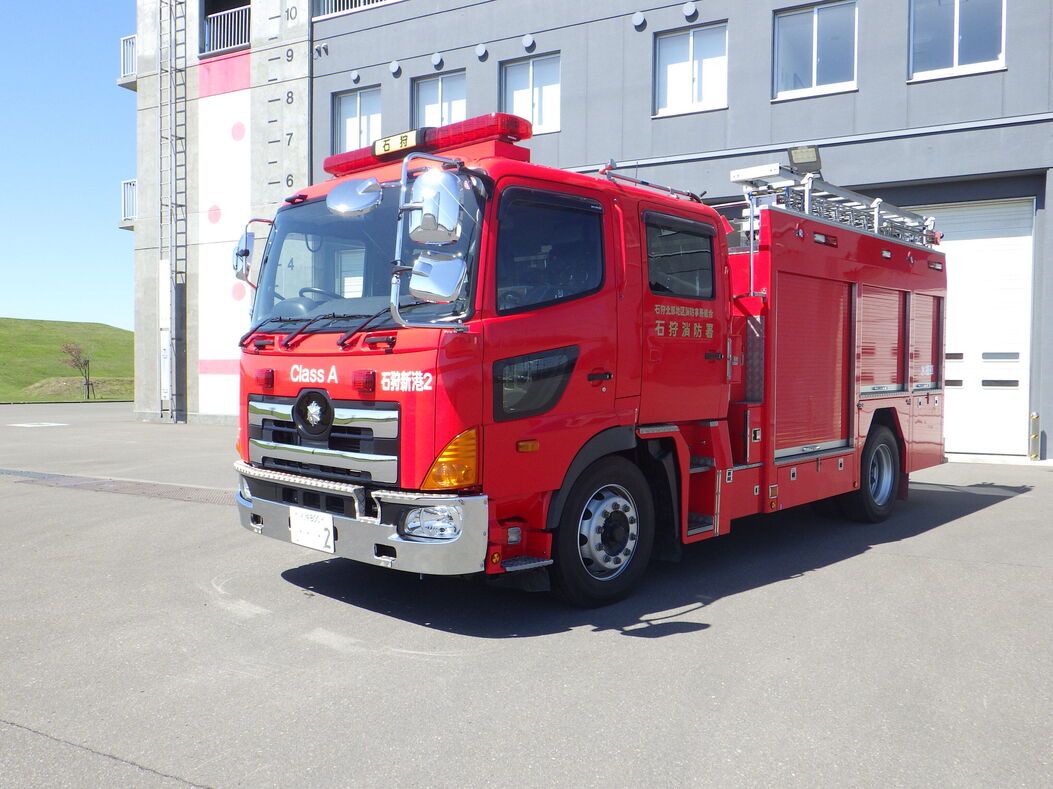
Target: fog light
x,y
442,522
246,493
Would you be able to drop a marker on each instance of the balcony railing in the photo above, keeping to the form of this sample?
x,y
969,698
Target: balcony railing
x,y
127,59
226,30
128,200
327,7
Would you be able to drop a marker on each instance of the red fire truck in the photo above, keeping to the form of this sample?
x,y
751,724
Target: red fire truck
x,y
461,362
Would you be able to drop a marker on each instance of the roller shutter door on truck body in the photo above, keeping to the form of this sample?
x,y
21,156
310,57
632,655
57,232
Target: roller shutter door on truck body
x,y
988,331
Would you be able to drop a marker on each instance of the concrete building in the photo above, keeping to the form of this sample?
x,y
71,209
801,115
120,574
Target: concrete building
x,y
943,105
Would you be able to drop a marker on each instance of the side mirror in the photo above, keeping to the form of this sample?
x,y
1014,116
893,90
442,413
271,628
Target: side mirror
x,y
437,278
435,207
354,198
243,255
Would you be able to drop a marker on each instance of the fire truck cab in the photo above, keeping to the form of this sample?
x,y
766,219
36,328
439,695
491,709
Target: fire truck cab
x,y
462,362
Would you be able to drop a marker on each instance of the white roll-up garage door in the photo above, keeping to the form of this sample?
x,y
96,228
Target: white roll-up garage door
x,y
988,338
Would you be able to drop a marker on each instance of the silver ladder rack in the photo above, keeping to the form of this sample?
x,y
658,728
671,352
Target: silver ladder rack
x,y
775,184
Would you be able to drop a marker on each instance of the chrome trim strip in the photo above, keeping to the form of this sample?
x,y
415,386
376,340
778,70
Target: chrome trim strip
x,y
812,449
384,424
287,478
382,468
652,429
259,411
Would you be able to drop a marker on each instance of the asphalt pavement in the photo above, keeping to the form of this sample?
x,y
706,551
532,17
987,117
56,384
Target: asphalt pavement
x,y
147,640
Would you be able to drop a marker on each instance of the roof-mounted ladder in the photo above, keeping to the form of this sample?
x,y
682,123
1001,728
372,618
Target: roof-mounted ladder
x,y
776,184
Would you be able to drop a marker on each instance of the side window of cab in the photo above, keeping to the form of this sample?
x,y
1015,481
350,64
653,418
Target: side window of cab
x,y
549,249
679,257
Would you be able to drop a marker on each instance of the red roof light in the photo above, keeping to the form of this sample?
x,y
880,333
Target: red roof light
x,y
495,126
344,163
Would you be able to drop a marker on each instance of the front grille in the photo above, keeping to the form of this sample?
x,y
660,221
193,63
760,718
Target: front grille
x,y
361,446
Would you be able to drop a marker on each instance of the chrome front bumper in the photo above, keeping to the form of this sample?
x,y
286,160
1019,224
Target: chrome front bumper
x,y
368,539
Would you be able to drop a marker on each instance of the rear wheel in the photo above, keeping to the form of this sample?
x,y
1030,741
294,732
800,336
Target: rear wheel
x,y
879,478
605,534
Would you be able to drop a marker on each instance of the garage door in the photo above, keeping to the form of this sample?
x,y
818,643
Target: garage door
x,y
988,338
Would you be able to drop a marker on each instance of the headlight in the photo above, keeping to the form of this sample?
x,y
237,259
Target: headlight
x,y
442,522
245,492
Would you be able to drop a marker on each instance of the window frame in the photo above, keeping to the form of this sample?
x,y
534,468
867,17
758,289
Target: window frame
x,y
337,131
954,70
687,109
559,200
505,97
418,120
693,227
815,90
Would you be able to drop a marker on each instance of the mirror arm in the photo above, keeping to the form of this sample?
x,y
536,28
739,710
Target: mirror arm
x,y
396,315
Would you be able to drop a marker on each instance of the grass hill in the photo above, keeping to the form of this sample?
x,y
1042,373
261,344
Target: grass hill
x,y
31,357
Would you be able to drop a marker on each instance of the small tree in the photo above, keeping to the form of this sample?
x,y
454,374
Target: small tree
x,y
76,359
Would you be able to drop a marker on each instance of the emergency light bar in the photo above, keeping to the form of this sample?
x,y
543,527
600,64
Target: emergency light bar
x,y
495,126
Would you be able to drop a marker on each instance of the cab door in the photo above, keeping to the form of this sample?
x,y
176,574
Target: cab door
x,y
550,336
686,370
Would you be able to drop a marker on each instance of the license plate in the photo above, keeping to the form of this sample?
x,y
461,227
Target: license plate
x,y
396,142
311,529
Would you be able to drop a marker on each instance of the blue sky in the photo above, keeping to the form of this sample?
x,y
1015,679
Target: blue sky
x,y
67,140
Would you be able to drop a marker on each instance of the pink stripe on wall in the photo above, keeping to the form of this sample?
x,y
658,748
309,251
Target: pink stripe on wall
x,y
224,74
218,367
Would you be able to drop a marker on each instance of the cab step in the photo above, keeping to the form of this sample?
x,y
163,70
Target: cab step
x,y
524,563
699,524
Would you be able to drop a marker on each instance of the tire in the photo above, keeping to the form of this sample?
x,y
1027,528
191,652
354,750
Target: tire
x,y
605,535
878,478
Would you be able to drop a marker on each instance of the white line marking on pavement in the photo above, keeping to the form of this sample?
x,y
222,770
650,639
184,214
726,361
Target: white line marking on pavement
x,y
242,609
335,641
39,424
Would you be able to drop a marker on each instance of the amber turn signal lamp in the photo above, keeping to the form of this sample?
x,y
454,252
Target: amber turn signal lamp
x,y
457,466
528,445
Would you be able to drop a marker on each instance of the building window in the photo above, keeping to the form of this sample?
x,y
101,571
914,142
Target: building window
x,y
815,50
950,37
691,70
438,101
357,117
530,89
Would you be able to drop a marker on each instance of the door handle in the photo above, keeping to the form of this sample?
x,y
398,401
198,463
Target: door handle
x,y
604,376
713,355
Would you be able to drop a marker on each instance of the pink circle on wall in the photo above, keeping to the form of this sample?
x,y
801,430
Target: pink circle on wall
x,y
237,131
214,214
238,291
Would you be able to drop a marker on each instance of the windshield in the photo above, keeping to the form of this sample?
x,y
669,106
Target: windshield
x,y
319,264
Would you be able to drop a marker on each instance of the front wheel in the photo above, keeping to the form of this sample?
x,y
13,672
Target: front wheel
x,y
605,534
879,478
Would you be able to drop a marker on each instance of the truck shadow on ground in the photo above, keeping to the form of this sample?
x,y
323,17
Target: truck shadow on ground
x,y
760,550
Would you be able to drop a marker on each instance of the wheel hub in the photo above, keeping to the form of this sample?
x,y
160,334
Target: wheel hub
x,y
608,529
881,482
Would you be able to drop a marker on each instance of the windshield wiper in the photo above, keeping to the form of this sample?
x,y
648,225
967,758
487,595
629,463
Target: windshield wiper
x,y
352,332
257,326
286,343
